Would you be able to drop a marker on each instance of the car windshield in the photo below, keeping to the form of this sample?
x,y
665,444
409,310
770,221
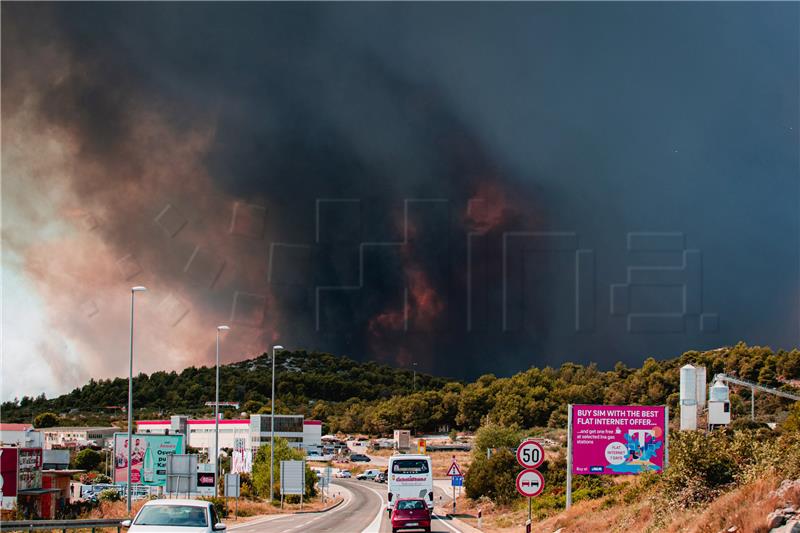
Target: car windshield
x,y
410,466
172,515
410,505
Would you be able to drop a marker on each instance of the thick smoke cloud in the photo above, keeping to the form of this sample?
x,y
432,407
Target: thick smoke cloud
x,y
462,186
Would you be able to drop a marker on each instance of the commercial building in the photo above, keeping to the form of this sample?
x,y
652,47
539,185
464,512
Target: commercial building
x,y
251,433
20,435
78,437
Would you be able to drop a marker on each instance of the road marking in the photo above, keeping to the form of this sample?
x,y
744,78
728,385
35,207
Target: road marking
x,y
442,520
258,521
375,525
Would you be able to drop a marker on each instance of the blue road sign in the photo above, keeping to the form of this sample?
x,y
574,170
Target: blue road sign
x,y
457,481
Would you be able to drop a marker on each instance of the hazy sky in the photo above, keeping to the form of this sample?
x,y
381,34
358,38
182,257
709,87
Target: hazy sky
x,y
476,187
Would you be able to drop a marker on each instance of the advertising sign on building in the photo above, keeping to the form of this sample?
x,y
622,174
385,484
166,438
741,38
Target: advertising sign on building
x,y
148,457
29,472
618,439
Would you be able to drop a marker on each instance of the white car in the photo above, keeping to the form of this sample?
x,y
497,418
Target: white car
x,y
186,516
343,474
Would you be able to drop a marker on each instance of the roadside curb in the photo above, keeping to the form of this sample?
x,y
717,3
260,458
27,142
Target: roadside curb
x,y
334,506
466,528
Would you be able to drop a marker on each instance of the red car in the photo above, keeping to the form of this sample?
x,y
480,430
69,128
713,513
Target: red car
x,y
411,513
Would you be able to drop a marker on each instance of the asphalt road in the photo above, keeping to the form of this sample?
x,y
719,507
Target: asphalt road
x,y
362,512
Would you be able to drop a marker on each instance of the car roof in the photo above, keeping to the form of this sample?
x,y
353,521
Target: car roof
x,y
193,503
410,499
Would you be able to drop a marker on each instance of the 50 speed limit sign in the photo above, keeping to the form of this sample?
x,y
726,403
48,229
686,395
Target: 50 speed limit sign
x,y
530,454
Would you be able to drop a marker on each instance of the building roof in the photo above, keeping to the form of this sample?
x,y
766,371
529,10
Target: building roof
x,y
80,428
15,427
222,421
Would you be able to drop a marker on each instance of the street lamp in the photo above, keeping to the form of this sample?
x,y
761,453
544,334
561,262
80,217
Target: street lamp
x,y
414,379
272,426
216,418
134,290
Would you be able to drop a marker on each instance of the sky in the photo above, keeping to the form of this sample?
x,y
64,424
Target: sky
x,y
471,187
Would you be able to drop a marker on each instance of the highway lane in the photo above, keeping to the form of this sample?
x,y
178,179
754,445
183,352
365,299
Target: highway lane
x,y
362,512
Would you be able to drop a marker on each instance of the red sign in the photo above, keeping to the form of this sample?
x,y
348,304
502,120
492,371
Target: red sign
x,y
530,483
8,472
454,470
530,454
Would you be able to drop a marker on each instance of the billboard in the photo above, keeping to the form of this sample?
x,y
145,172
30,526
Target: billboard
x,y
617,439
242,458
148,457
29,473
8,477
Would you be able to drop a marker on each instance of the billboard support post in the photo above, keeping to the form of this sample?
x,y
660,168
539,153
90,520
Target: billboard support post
x,y
569,455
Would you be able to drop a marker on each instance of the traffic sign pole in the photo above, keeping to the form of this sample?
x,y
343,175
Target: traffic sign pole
x,y
569,456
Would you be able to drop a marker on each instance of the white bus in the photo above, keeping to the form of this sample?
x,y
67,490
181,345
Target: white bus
x,y
410,476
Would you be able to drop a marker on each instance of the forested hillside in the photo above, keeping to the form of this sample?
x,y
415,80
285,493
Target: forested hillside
x,y
366,397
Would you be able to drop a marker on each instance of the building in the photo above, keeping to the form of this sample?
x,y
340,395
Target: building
x,y
252,432
20,435
78,437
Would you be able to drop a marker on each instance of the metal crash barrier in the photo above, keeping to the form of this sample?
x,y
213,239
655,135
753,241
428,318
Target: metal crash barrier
x,y
61,525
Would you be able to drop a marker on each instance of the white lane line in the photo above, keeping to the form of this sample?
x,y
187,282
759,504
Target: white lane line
x,y
258,521
348,497
375,525
443,521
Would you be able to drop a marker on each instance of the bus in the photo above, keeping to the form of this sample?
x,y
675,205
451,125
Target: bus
x,y
410,476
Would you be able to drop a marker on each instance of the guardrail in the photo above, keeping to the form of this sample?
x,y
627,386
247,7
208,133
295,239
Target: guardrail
x,y
63,525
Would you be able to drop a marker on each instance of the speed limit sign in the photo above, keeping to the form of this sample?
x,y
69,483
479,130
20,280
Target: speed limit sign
x,y
530,454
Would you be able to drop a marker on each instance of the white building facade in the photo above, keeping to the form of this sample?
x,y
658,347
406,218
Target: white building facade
x,y
255,431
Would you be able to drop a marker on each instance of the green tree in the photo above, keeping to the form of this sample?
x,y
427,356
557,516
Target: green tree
x,y
45,420
87,459
261,469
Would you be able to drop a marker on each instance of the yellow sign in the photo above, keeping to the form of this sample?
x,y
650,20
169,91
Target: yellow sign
x,y
421,446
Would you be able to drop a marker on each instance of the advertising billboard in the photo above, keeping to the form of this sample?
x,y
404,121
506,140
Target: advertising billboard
x,y
29,474
242,459
148,457
617,439
8,477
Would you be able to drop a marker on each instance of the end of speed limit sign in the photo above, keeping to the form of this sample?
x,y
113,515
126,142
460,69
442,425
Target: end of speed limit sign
x,y
530,454
530,483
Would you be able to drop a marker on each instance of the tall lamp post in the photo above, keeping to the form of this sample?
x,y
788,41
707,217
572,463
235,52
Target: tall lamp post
x,y
134,290
414,379
272,426
216,418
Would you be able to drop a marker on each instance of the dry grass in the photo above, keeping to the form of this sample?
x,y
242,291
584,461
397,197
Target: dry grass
x,y
745,507
248,509
442,460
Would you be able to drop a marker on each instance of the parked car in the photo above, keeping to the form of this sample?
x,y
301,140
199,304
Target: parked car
x,y
343,474
359,458
186,516
411,513
381,477
368,474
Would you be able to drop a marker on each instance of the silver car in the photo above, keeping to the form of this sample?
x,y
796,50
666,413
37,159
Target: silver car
x,y
186,516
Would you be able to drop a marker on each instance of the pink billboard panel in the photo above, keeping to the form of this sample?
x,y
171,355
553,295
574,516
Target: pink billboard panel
x,y
618,439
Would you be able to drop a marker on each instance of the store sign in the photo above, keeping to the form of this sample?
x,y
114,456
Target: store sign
x,y
148,457
617,439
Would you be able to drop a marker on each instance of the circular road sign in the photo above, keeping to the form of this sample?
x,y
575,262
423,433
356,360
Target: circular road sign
x,y
530,483
530,454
